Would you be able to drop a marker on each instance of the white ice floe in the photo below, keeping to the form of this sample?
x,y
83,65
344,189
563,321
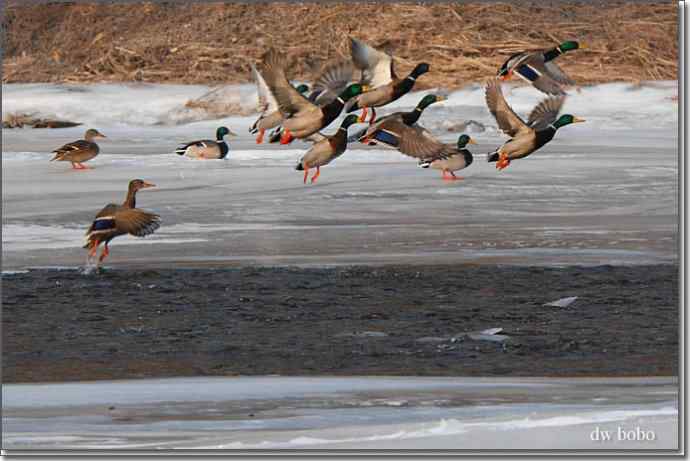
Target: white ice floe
x,y
563,302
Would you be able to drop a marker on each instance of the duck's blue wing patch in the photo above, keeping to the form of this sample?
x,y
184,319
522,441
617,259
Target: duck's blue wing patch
x,y
528,72
386,138
106,223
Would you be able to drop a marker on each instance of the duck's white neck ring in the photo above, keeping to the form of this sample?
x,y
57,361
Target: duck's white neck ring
x,y
409,77
340,100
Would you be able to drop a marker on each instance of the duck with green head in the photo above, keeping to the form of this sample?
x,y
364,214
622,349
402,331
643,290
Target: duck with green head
x,y
206,148
416,141
452,162
378,71
410,118
301,117
325,149
539,69
541,126
270,116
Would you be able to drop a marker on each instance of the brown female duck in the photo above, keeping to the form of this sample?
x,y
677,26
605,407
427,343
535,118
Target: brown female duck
x,y
115,220
79,151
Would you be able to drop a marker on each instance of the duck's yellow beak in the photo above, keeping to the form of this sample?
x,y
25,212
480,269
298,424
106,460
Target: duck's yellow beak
x,y
365,88
147,184
440,97
578,120
582,46
234,135
471,141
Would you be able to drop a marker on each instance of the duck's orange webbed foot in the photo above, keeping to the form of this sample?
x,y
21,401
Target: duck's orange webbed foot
x,y
287,137
503,162
260,137
373,116
94,248
306,174
104,253
316,176
363,115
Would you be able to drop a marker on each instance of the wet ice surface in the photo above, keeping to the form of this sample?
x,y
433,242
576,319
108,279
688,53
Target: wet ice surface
x,y
603,192
281,412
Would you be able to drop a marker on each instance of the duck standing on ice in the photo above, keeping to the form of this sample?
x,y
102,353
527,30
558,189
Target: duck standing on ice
x,y
79,151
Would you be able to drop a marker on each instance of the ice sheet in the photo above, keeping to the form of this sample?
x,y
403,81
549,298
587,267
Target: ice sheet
x,y
602,192
328,412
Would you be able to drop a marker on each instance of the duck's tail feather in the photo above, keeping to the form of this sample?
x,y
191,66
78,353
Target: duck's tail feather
x,y
492,156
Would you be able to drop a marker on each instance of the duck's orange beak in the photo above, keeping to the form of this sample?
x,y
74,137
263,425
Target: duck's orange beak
x,y
578,120
471,141
147,184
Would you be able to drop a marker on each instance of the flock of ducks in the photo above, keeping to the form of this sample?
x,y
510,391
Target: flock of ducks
x,y
365,81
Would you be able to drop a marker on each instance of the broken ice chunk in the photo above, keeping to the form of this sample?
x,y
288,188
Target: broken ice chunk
x,y
563,302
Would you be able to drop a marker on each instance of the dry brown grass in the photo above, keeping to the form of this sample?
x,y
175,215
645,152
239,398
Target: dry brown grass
x,y
215,43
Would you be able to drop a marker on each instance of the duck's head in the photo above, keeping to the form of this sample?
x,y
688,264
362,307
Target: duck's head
x,y
301,89
420,69
464,140
353,90
429,99
571,45
299,166
92,133
222,132
349,120
137,184
567,119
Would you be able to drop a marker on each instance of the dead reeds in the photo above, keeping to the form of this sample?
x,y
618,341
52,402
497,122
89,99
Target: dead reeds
x,y
215,43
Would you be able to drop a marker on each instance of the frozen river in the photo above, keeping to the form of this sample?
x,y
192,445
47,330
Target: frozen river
x,y
335,413
603,192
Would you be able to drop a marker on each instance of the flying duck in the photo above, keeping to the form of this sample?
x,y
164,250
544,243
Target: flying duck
x,y
538,68
115,220
541,126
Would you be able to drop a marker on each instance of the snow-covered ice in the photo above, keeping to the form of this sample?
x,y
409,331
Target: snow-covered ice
x,y
345,412
602,192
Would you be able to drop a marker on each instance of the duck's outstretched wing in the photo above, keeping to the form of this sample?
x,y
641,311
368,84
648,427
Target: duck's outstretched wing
x,y
545,113
290,101
376,66
413,141
136,222
508,121
267,102
334,77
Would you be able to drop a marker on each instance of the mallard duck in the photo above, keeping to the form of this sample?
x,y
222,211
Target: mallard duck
x,y
115,220
333,78
415,141
538,68
454,162
325,149
541,126
301,118
408,118
270,115
206,148
80,151
378,72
